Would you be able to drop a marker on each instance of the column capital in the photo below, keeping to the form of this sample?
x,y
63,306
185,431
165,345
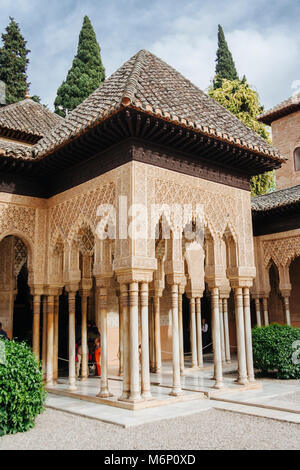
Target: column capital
x,y
134,275
85,292
194,293
241,282
72,288
286,291
175,278
102,281
37,289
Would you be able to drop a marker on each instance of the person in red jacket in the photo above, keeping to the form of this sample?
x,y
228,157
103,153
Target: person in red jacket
x,y
97,356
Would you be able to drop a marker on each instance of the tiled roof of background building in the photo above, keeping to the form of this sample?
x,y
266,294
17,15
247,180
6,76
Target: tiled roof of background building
x,y
278,199
147,83
28,117
288,106
15,149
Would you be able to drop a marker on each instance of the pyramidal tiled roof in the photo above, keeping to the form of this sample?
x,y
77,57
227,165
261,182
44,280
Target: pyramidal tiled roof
x,y
277,199
147,83
284,108
29,117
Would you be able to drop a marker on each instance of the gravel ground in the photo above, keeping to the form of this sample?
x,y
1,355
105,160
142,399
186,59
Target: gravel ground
x,y
214,429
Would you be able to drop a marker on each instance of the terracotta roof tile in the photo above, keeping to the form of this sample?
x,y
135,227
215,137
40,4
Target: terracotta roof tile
x,y
146,82
29,117
292,104
16,150
276,199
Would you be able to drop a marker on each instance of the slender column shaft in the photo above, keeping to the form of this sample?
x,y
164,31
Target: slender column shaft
x,y
157,342
199,332
193,334
84,338
180,329
36,326
287,310
222,333
240,336
126,347
258,315
55,340
134,342
176,389
121,342
226,329
216,338
50,336
145,341
44,337
151,336
104,392
248,335
266,312
72,351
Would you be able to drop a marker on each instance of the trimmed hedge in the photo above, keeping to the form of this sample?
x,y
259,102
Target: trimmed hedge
x,y
275,349
22,394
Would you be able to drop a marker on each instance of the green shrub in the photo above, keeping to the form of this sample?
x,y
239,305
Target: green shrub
x,y
22,393
273,350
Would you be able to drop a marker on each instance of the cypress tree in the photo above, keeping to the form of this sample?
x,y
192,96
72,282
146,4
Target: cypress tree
x,y
225,67
14,62
86,74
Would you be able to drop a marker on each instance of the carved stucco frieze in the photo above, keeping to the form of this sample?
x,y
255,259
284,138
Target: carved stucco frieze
x,y
282,251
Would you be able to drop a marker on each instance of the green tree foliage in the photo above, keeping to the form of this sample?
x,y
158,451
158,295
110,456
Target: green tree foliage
x,y
225,66
22,393
13,63
86,74
277,348
243,102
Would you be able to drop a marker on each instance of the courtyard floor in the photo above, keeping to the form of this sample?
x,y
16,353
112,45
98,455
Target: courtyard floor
x,y
265,418
213,429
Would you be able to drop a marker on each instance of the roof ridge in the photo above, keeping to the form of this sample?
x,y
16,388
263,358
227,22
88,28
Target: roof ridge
x,y
131,84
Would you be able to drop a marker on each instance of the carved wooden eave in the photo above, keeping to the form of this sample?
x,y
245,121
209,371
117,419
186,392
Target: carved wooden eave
x,y
168,145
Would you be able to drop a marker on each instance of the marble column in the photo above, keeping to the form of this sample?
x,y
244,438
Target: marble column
x,y
84,337
248,335
193,334
218,374
176,388
144,293
151,335
199,332
36,326
180,329
121,342
157,341
126,346
50,342
222,333
240,336
266,311
72,339
257,309
135,394
287,310
44,337
56,331
226,330
102,305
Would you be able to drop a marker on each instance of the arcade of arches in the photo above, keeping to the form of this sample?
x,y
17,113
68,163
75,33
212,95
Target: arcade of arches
x,y
138,291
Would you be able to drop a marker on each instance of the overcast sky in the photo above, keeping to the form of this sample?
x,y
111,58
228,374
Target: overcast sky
x,y
263,35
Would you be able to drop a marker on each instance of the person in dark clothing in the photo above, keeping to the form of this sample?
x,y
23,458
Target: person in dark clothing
x,y
205,333
3,334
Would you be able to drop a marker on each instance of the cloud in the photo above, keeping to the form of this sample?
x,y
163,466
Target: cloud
x,y
263,36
